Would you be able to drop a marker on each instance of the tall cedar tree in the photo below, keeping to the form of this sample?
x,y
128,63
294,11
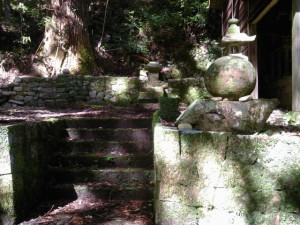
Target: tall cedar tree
x,y
66,43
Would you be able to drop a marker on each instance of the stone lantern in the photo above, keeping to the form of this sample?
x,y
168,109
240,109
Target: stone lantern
x,y
232,76
229,78
153,69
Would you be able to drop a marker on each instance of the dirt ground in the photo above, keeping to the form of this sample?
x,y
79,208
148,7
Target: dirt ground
x,y
87,212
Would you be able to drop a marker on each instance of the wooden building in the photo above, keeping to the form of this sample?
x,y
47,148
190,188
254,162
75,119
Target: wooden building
x,y
276,52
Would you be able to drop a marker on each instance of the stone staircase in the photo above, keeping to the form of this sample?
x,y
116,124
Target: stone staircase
x,y
107,160
150,93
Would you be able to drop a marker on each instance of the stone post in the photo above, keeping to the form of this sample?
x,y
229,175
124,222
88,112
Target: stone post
x,y
296,55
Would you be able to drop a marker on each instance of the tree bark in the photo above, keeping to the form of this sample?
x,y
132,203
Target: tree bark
x,y
66,44
1,9
7,10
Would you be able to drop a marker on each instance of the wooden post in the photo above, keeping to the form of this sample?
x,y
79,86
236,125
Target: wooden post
x,y
296,55
252,52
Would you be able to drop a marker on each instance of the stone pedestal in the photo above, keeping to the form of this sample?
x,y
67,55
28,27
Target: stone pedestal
x,y
153,77
221,178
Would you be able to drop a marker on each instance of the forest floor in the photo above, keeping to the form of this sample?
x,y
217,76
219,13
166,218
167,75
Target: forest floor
x,y
91,212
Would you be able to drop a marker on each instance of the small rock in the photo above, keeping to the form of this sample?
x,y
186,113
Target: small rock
x,y
18,89
185,126
28,98
16,102
245,98
113,100
216,98
66,71
17,80
92,94
7,93
100,95
19,98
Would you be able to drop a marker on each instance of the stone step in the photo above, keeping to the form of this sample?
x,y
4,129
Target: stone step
x,y
150,95
103,161
108,147
156,84
149,106
120,134
101,191
109,123
118,176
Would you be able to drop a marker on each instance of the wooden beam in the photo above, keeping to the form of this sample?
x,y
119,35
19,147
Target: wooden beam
x,y
265,11
296,55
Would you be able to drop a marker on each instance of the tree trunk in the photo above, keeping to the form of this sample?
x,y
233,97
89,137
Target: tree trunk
x,y
1,9
7,10
66,45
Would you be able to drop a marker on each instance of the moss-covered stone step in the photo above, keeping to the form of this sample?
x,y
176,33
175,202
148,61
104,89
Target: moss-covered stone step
x,y
109,122
118,176
101,191
149,96
149,106
108,147
120,134
103,161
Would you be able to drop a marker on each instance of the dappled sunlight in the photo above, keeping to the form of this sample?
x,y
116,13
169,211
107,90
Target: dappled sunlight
x,y
240,179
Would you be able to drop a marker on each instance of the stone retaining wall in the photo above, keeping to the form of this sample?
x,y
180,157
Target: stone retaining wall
x,y
69,91
221,178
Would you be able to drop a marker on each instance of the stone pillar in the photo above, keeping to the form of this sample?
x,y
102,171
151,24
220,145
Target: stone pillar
x,y
296,55
7,210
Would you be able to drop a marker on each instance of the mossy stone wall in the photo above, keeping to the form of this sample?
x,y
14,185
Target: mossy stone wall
x,y
24,151
187,89
220,178
66,91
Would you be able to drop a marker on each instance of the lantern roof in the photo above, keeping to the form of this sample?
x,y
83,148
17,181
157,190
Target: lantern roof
x,y
234,35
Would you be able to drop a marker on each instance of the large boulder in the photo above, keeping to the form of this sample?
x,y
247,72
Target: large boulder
x,y
247,117
231,116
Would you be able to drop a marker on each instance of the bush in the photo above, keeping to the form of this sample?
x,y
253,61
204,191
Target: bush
x,y
169,108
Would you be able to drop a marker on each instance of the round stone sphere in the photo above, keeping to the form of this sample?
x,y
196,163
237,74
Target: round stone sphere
x,y
230,77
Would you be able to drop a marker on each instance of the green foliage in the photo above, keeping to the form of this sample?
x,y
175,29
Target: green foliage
x,y
21,32
156,30
155,118
109,159
169,108
185,18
